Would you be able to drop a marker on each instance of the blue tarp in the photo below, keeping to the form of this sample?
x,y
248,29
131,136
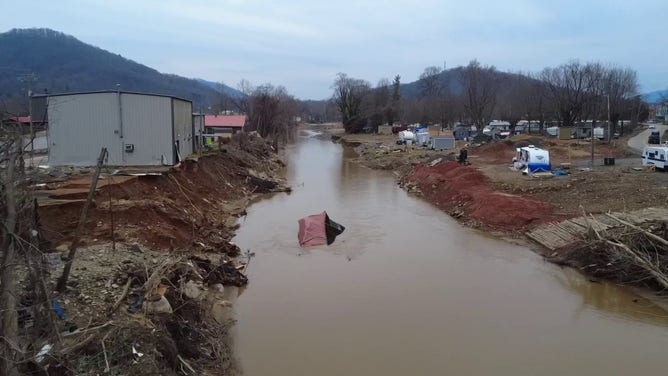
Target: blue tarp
x,y
539,167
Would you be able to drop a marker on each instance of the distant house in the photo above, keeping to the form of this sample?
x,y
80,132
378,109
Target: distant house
x,y
223,125
24,121
137,129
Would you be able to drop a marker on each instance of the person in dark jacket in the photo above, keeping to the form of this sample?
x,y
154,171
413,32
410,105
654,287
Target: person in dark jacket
x,y
463,156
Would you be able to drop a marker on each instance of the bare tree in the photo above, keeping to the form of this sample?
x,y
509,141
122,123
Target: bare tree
x,y
381,99
223,101
480,88
573,86
349,96
430,82
272,111
241,102
620,86
16,210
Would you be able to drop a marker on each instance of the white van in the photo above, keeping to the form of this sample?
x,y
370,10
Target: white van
x,y
655,155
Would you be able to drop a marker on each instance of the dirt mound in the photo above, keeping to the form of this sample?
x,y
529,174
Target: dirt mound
x,y
189,205
494,152
466,192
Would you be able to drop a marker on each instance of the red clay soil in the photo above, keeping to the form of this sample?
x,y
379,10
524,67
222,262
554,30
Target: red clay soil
x,y
185,207
465,191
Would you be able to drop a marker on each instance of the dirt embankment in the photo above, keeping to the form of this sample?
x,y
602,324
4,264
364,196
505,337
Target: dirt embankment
x,y
194,205
466,193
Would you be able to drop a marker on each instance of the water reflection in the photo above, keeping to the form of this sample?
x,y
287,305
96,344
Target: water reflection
x,y
612,300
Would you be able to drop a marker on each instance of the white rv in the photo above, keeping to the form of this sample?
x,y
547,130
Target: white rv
x,y
655,155
531,159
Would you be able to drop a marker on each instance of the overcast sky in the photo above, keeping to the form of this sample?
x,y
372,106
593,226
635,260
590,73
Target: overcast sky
x,y
302,44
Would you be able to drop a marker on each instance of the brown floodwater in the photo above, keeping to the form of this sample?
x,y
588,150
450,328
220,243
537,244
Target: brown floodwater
x,y
406,290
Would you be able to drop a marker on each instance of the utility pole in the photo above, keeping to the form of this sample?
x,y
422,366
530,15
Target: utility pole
x,y
591,137
609,124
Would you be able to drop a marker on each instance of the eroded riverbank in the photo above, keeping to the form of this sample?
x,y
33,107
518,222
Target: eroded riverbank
x,y
487,195
152,280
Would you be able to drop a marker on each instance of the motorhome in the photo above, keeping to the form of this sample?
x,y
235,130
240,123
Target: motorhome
x,y
497,129
531,159
656,156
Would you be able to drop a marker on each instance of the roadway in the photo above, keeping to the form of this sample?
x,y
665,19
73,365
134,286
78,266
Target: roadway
x,y
638,142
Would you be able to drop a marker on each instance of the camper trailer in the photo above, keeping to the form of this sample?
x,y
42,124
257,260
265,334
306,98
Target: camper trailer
x,y
531,159
406,137
656,156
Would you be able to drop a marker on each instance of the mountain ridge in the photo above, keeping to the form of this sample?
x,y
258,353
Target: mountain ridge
x,y
52,61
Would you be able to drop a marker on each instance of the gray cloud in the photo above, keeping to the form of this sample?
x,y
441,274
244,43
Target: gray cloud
x,y
303,44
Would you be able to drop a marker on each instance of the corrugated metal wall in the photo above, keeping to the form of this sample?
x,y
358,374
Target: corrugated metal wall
x,y
147,125
183,126
80,125
198,131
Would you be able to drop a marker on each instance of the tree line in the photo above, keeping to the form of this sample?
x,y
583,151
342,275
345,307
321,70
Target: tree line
x,y
270,110
477,93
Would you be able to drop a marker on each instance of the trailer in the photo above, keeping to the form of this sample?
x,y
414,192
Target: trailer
x,y
656,156
531,159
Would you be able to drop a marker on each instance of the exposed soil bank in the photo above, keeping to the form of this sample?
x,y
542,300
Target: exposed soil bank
x,y
465,192
193,205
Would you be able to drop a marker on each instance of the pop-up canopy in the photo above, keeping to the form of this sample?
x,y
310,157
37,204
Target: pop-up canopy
x,y
318,229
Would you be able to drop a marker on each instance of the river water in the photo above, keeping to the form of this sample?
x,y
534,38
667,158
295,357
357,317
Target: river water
x,y
406,290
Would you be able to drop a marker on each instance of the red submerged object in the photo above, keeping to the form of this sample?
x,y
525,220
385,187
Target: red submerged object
x,y
318,229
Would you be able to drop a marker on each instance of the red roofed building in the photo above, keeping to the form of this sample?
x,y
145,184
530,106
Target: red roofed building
x,y
224,125
25,122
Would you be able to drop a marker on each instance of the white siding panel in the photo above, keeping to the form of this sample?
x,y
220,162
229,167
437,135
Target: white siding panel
x,y
183,126
147,124
79,126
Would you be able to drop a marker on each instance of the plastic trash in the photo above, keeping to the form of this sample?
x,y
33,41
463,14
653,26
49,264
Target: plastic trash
x,y
43,352
58,309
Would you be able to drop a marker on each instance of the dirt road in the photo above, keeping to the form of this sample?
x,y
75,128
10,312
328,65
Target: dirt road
x,y
638,142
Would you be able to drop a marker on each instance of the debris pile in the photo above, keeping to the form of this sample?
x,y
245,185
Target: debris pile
x,y
627,253
155,318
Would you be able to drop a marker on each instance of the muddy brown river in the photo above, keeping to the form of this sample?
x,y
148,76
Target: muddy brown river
x,y
406,290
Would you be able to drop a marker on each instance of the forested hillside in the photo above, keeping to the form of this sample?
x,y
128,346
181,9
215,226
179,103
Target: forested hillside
x,y
44,59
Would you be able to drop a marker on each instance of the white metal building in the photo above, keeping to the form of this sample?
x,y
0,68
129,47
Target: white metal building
x,y
137,129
